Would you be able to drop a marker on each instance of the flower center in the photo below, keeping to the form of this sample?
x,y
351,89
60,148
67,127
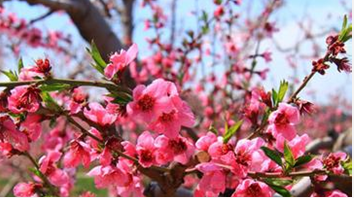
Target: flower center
x,y
146,102
331,162
146,156
225,148
28,98
178,146
243,158
254,190
168,117
281,119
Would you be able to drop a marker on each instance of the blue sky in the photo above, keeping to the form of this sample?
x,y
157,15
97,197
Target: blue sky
x,y
294,10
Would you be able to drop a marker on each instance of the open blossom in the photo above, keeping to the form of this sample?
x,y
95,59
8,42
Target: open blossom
x,y
170,123
213,181
246,151
77,102
112,144
178,149
149,102
146,149
332,162
256,105
282,121
253,188
79,152
109,176
10,134
48,167
134,189
219,148
31,126
204,142
26,189
98,114
6,150
120,60
267,56
24,98
297,145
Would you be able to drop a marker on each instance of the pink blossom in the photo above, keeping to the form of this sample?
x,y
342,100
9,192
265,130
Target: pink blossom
x,y
111,145
146,149
134,189
170,123
99,114
25,190
213,181
93,142
178,149
297,145
252,188
219,11
57,137
10,134
204,142
219,148
79,152
24,98
149,102
332,162
246,151
316,164
108,176
32,126
47,166
120,60
282,121
77,102
28,74
267,56
6,149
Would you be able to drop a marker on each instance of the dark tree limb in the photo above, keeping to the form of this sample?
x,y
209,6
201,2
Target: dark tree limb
x,y
92,26
89,22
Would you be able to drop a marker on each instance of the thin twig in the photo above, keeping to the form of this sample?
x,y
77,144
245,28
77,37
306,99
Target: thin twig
x,y
103,84
50,12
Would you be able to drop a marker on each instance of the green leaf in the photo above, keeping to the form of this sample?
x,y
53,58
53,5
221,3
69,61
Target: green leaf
x,y
273,155
54,87
35,171
20,65
346,32
120,97
275,97
96,56
281,190
204,16
49,102
303,160
230,132
10,74
205,29
347,165
288,156
278,181
282,90
345,21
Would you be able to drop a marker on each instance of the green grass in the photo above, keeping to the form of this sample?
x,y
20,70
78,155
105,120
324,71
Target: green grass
x,y
84,184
